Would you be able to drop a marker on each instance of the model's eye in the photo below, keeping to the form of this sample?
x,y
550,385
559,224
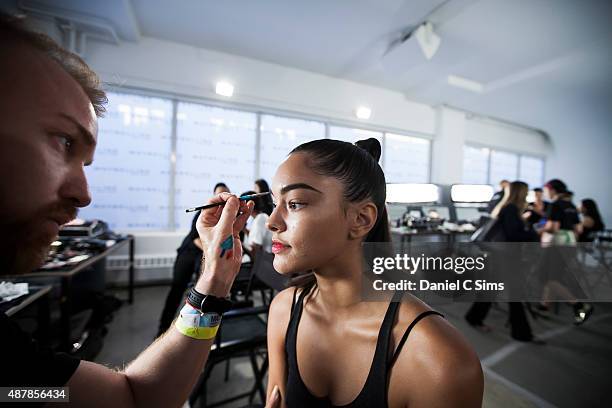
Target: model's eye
x,y
293,205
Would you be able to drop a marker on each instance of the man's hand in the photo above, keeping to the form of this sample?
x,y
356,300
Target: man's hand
x,y
217,226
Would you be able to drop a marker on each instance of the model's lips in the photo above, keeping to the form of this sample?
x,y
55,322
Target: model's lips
x,y
278,246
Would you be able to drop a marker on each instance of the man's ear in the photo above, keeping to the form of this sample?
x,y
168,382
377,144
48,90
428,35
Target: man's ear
x,y
362,218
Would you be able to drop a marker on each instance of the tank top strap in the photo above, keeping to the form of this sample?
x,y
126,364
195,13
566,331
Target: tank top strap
x,y
295,289
375,387
294,320
407,332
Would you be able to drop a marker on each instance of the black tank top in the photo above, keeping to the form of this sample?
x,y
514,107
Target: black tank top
x,y
374,391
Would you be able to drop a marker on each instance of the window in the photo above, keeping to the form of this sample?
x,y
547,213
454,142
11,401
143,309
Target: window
x,y
279,136
406,159
475,165
130,176
351,135
531,171
212,145
158,156
482,165
504,166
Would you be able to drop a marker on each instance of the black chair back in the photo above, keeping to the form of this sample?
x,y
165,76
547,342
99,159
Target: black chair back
x,y
263,269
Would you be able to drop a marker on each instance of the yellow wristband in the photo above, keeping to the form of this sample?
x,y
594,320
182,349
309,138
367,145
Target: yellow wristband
x,y
200,333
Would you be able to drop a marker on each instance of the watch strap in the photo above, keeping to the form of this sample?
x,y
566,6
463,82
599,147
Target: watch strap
x,y
208,303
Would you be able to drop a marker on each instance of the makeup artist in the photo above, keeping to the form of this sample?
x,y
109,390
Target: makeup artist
x,y
49,103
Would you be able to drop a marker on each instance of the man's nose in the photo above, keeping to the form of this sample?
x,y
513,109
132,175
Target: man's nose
x,y
75,188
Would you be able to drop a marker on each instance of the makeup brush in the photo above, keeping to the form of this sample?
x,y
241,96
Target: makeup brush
x,y
241,198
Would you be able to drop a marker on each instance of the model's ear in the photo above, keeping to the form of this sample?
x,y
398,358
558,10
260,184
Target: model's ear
x,y
362,218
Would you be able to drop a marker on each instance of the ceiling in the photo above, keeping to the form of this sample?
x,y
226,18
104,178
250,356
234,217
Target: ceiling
x,y
538,60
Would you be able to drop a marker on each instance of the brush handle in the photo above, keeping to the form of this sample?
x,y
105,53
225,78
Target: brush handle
x,y
243,198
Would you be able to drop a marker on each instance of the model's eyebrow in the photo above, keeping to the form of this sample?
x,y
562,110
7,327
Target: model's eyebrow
x,y
296,186
88,138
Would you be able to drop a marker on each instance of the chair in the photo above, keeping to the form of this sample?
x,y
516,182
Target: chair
x,y
266,275
243,332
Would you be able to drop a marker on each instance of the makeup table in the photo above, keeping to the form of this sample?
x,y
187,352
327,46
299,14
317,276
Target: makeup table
x,y
66,275
39,296
406,235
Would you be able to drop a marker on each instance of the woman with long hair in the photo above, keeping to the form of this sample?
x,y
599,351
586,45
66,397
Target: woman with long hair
x,y
326,346
591,220
513,228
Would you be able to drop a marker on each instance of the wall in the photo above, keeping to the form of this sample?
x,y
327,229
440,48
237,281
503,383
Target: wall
x,y
182,69
582,157
157,65
162,66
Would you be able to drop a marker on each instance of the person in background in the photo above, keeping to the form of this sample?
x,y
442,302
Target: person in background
x,y
591,220
261,186
562,228
498,196
562,220
186,264
259,236
536,211
514,228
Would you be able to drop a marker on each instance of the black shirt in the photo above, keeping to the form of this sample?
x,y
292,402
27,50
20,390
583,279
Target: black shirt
x,y
564,212
497,197
24,363
187,244
534,217
515,229
588,233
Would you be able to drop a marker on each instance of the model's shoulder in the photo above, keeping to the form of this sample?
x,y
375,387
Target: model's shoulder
x,y
437,350
283,298
280,308
441,360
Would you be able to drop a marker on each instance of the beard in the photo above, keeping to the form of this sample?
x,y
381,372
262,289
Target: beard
x,y
19,258
24,245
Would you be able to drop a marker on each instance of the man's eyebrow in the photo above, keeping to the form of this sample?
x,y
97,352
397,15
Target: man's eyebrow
x,y
88,138
295,186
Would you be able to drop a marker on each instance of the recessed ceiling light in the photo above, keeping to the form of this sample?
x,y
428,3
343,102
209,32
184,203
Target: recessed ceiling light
x,y
224,88
363,112
465,83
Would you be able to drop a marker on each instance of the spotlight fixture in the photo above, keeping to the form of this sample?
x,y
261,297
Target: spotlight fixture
x,y
427,39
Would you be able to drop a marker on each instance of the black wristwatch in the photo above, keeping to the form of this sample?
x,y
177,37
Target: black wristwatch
x,y
208,303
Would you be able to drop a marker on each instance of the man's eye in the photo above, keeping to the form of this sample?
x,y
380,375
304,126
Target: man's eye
x,y
66,141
